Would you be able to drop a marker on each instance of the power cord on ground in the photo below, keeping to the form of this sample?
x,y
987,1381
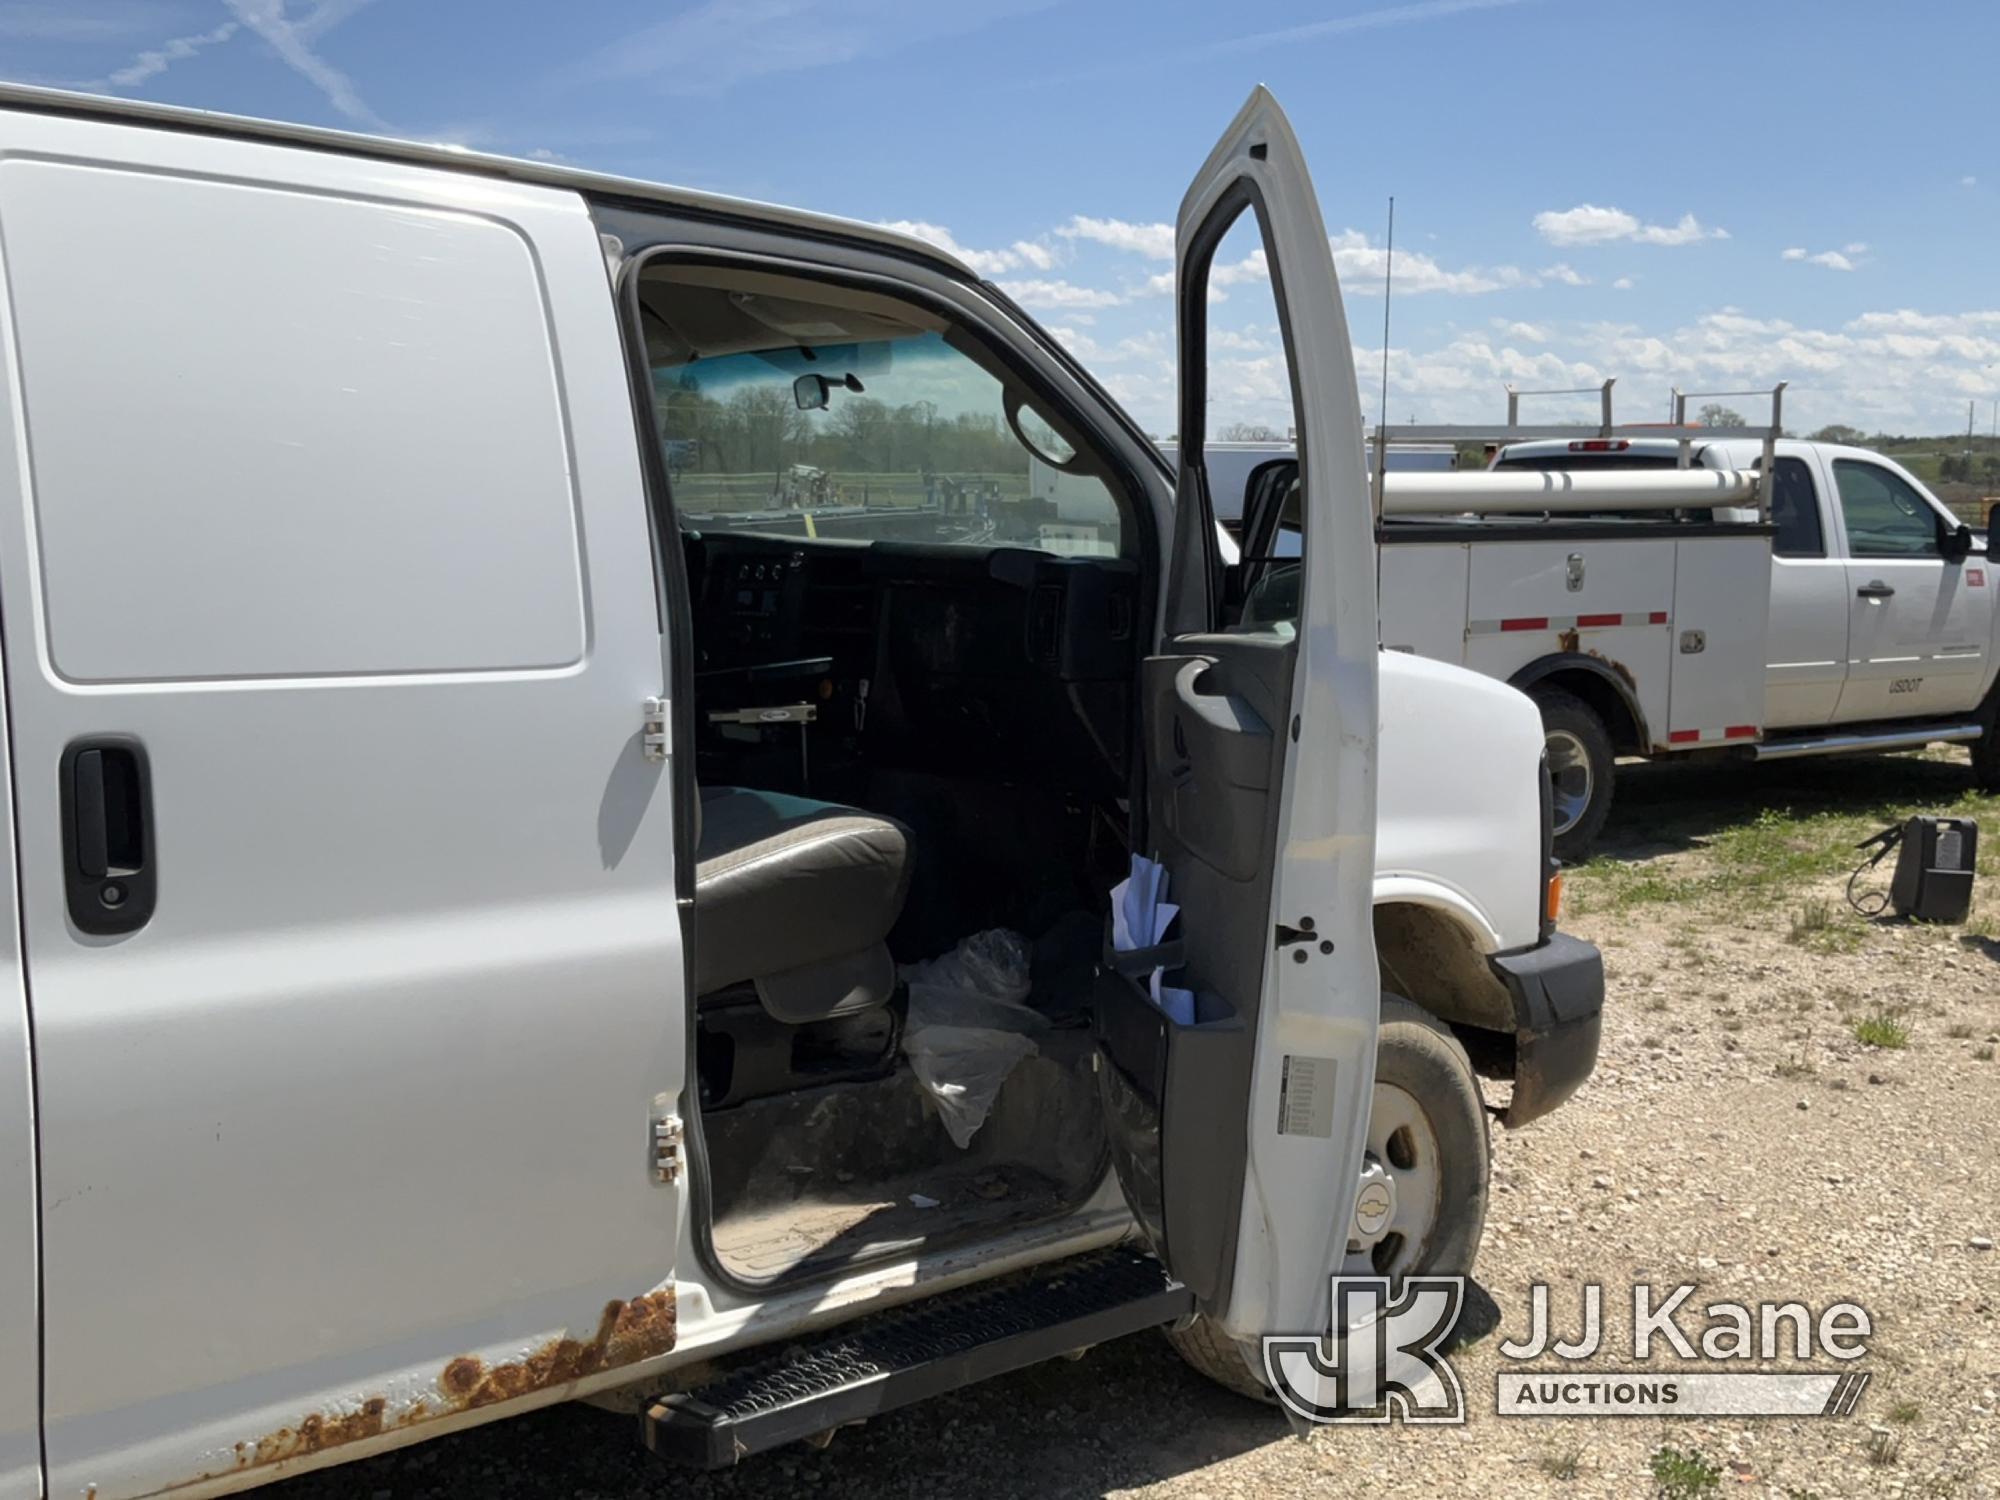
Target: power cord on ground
x,y
1872,904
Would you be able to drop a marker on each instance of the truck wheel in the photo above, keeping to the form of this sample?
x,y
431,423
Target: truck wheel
x,y
1580,770
1986,749
1424,1178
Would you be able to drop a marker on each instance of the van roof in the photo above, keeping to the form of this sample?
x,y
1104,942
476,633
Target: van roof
x,y
549,174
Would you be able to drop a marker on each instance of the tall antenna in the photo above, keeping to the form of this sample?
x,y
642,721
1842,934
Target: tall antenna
x,y
1388,285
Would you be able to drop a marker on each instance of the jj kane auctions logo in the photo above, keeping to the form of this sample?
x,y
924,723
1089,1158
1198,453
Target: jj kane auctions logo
x,y
1382,1357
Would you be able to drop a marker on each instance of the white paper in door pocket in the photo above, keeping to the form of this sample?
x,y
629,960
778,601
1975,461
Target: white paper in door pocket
x,y
1140,917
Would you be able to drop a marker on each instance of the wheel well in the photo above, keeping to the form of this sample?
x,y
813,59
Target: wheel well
x,y
1604,700
1433,960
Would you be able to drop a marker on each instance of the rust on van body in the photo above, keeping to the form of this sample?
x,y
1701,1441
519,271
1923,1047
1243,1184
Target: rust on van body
x,y
628,1332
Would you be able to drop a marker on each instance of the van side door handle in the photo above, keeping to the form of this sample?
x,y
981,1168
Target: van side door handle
x,y
107,827
1875,588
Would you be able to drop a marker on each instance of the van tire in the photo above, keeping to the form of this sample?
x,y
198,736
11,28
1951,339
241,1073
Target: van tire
x,y
1417,1053
1582,759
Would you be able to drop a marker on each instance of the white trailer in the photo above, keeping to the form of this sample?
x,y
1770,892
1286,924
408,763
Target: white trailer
x,y
1656,597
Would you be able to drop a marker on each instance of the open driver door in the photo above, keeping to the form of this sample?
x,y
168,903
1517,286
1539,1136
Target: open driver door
x,y
1239,1125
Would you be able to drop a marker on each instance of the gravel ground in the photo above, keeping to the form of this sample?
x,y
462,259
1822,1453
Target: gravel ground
x,y
1737,1134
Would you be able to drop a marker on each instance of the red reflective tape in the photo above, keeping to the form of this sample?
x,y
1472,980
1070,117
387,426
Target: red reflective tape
x,y
1586,621
1683,736
1530,622
1658,617
1740,732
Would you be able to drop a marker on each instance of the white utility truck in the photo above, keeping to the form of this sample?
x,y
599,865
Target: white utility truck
x,y
1657,597
477,835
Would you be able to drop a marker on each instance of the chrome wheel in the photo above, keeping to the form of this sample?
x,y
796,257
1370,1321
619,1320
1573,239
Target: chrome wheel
x,y
1397,1205
1571,778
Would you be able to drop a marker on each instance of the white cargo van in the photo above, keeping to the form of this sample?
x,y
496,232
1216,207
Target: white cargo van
x,y
486,738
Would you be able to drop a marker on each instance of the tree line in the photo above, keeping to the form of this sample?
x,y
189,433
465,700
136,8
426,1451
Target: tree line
x,y
759,429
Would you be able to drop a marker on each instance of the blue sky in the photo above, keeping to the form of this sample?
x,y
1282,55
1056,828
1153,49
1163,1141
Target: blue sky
x,y
1718,195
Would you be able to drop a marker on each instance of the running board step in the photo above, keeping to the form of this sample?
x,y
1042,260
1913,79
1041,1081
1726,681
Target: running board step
x,y
1888,737
927,1348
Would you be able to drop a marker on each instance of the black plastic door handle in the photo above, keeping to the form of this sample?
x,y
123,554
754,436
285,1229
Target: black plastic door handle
x,y
107,817
1875,590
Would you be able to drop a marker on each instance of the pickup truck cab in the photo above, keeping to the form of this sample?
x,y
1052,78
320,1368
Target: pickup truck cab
x,y
1878,629
507,669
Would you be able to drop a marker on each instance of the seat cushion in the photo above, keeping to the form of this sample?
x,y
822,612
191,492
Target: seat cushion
x,y
786,883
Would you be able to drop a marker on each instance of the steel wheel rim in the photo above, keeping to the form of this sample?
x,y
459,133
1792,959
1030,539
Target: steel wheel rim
x,y
1570,778
1404,1162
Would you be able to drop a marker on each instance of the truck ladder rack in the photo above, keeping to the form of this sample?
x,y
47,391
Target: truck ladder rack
x,y
1476,491
875,1365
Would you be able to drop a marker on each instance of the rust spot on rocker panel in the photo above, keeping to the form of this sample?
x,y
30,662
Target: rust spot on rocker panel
x,y
627,1332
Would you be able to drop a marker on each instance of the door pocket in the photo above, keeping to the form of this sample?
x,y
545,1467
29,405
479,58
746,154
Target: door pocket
x,y
1178,1150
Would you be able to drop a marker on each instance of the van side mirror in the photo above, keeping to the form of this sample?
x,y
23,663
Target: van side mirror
x,y
1955,542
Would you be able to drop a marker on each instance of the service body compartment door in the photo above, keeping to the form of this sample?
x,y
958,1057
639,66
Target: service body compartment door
x,y
347,888
1422,591
1722,606
1610,599
1260,801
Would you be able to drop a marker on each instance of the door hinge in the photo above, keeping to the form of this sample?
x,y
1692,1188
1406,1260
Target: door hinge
x,y
666,1146
653,736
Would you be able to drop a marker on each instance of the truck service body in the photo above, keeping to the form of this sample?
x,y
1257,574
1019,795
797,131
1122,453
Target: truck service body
x,y
459,849
1657,598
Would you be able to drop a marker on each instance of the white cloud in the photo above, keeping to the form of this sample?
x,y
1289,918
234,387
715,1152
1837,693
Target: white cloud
x,y
1968,181
1565,273
292,41
1021,253
1526,331
1055,293
1833,260
1154,241
1856,247
1367,20
1622,284
85,22
156,60
1587,224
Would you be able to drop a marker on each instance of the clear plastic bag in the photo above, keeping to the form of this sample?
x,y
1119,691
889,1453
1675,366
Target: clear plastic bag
x,y
967,1028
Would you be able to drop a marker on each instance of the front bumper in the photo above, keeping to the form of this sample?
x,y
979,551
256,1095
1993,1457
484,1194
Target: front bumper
x,y
1558,992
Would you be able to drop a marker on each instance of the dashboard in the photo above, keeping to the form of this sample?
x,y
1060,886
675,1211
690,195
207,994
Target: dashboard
x,y
1001,660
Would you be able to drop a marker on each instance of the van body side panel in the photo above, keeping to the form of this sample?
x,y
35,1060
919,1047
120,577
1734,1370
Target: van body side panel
x,y
325,491
20,1337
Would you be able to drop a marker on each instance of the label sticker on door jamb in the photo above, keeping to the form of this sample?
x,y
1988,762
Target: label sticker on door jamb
x,y
1305,1096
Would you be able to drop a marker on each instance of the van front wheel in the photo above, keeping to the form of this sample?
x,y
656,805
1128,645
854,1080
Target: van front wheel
x,y
1425,1175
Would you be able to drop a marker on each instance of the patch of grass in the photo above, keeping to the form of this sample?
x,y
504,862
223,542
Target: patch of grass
x,y
1883,1448
1684,1474
1882,1028
1814,927
1903,1411
1563,1463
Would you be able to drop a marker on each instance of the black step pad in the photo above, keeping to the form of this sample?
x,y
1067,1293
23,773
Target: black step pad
x,y
922,1349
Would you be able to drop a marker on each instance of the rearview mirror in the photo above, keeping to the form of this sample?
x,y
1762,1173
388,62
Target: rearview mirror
x,y
812,392
1956,542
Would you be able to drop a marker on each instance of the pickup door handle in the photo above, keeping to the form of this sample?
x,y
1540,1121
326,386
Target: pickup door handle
x,y
107,835
1875,588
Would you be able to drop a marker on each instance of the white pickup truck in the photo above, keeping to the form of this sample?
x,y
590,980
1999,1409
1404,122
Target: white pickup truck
x,y
1657,598
485,742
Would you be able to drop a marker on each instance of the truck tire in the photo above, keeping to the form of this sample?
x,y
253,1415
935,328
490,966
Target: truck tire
x,y
1581,764
1428,1113
1986,749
